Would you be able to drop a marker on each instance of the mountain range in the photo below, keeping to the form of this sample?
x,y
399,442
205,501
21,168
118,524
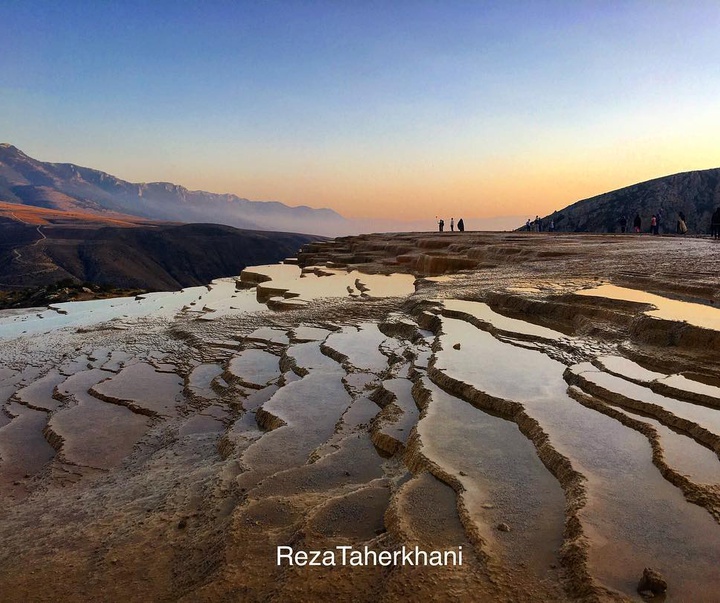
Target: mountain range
x,y
69,187
60,222
696,194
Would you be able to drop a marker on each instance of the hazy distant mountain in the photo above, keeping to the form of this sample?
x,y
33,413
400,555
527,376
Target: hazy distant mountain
x,y
696,194
65,186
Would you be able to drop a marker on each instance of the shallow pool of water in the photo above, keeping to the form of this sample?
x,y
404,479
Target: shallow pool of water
x,y
361,346
503,477
709,418
484,313
255,368
141,385
627,496
668,309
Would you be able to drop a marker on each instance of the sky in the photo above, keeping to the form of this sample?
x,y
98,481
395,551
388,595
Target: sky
x,y
376,109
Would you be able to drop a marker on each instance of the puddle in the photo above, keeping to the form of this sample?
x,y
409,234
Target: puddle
x,y
399,427
314,283
627,369
269,335
308,356
246,427
310,408
23,448
361,412
38,394
95,433
627,497
484,313
361,346
360,382
255,368
709,418
503,471
682,453
75,365
223,299
668,309
219,299
164,305
140,387
201,378
303,333
683,384
89,313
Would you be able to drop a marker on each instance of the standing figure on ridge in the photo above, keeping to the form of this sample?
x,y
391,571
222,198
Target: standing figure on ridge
x,y
654,224
681,223
623,223
637,223
441,224
461,225
452,224
715,224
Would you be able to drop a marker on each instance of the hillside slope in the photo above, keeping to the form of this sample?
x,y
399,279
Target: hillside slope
x,y
696,194
149,256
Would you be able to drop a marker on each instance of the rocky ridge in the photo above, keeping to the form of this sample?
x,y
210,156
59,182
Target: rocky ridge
x,y
696,194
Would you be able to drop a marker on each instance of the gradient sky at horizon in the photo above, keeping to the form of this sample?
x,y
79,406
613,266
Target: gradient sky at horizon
x,y
395,109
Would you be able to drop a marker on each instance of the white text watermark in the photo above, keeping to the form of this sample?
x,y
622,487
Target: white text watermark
x,y
362,557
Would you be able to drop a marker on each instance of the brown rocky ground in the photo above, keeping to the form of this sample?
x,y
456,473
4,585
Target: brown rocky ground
x,y
565,441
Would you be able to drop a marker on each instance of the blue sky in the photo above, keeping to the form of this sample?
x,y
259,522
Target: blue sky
x,y
371,108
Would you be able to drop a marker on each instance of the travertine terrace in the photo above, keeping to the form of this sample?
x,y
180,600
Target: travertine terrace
x,y
550,403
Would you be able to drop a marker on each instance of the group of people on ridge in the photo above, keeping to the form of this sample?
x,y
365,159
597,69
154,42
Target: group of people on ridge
x,y
656,222
681,226
537,225
460,225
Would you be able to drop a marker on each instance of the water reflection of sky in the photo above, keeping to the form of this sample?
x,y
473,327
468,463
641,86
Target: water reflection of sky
x,y
327,282
667,309
220,298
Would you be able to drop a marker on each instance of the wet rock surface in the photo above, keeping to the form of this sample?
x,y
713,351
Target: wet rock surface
x,y
562,433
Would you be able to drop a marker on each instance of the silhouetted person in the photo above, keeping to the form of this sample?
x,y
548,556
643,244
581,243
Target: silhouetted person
x,y
623,223
681,223
452,224
461,225
441,224
528,225
637,223
715,224
653,224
